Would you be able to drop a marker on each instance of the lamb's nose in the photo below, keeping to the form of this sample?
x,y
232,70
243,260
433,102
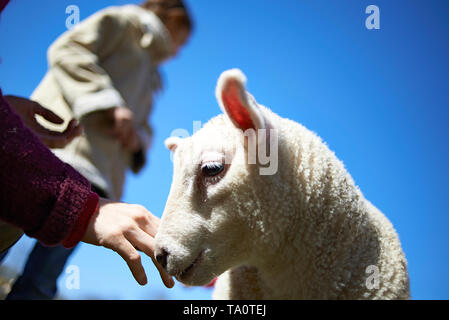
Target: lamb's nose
x,y
161,257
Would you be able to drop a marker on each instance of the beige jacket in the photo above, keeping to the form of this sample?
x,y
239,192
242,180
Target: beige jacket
x,y
108,60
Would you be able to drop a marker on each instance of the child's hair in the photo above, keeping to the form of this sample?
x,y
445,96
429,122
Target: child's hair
x,y
166,8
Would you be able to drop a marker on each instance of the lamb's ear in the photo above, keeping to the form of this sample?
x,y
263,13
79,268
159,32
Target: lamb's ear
x,y
238,104
172,143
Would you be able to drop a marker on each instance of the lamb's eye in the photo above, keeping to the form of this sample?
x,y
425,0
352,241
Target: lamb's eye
x,y
211,169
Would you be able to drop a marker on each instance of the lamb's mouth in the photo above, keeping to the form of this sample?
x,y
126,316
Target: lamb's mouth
x,y
184,275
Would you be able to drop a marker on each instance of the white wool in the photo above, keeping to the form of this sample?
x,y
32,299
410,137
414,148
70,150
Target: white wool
x,y
305,232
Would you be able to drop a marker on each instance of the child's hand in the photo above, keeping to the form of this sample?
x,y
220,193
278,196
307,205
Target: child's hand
x,y
124,129
126,228
28,110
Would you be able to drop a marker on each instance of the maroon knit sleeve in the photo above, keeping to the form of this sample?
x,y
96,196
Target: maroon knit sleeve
x,y
3,4
80,227
38,192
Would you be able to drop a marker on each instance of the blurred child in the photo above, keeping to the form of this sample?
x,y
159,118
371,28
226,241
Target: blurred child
x,y
104,73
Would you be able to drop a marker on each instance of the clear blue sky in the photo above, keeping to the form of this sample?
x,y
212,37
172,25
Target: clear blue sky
x,y
379,98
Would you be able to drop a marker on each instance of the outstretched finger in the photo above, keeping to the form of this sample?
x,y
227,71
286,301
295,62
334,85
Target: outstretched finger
x,y
150,225
127,251
145,243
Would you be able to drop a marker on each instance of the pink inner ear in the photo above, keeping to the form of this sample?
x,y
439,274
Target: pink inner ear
x,y
234,107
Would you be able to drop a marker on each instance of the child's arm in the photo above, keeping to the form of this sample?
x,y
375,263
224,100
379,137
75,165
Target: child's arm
x,y
75,60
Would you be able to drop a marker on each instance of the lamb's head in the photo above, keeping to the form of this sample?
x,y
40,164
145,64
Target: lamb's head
x,y
209,220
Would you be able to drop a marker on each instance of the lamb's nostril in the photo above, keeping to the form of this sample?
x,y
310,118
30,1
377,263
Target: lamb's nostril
x,y
161,258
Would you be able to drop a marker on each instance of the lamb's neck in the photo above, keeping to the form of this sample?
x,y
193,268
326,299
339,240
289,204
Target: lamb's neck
x,y
276,246
278,267
318,199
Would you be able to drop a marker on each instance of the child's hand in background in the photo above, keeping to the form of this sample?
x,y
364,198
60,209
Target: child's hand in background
x,y
124,129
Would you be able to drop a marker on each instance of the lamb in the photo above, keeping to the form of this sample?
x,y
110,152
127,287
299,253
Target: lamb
x,y
300,230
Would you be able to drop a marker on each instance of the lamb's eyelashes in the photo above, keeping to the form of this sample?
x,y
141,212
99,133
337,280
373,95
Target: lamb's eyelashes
x,y
212,172
211,169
